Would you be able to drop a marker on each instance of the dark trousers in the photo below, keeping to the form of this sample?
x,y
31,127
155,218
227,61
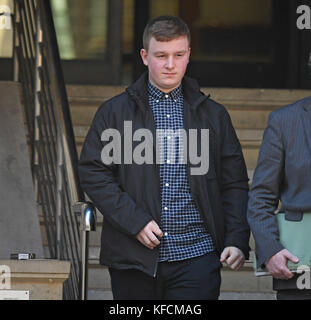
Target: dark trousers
x,y
191,279
293,294
287,289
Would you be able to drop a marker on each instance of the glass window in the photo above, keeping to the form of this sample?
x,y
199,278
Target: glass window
x,y
128,26
164,7
95,39
6,29
226,30
81,28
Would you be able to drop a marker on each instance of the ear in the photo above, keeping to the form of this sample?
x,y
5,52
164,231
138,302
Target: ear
x,y
144,54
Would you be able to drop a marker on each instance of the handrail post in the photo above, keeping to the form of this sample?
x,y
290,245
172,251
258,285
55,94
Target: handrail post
x,y
87,223
59,186
37,106
16,20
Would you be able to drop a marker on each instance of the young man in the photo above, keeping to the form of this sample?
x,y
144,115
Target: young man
x,y
167,226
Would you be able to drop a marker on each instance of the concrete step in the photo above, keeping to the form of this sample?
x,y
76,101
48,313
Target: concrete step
x,y
98,276
244,280
99,294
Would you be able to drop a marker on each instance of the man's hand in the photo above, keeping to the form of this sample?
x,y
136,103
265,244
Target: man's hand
x,y
276,265
233,256
147,236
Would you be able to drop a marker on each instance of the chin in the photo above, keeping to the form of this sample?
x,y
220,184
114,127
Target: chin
x,y
170,84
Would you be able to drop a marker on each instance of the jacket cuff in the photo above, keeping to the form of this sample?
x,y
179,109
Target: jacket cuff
x,y
139,220
239,240
263,255
244,249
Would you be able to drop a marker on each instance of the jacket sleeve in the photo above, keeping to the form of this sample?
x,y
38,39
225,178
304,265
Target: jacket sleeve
x,y
264,194
100,183
234,189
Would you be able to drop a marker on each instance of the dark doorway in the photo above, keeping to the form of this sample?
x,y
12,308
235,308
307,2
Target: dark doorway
x,y
253,43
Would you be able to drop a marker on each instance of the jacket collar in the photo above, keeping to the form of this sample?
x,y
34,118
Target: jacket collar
x,y
192,92
190,87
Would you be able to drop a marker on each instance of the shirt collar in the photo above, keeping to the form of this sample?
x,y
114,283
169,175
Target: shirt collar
x,y
157,94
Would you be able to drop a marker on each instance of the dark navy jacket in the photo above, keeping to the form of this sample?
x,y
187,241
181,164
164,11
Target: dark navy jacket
x,y
129,195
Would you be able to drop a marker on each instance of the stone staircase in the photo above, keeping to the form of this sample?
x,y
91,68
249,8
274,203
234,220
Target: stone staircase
x,y
249,110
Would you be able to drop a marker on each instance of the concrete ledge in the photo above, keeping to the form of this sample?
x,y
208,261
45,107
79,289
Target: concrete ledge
x,y
100,294
244,280
42,277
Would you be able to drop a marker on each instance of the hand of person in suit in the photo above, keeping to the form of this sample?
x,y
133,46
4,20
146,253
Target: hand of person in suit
x,y
233,256
276,265
147,236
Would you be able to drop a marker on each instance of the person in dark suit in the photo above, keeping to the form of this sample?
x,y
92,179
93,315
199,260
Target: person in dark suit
x,y
167,227
283,174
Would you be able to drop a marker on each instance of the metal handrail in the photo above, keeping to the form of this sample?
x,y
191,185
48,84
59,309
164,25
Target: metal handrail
x,y
53,151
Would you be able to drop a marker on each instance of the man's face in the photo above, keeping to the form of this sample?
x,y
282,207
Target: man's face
x,y
167,62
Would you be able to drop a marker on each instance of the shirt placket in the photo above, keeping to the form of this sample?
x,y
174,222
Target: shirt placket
x,y
167,174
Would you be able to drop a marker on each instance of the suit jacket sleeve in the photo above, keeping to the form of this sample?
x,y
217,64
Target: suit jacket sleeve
x,y
265,192
99,182
234,190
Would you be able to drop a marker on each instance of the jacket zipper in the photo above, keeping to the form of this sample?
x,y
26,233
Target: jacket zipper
x,y
155,269
136,99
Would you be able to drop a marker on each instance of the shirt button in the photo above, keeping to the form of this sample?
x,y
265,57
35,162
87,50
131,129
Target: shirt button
x,y
169,137
165,208
157,101
166,96
168,161
168,115
166,184
165,233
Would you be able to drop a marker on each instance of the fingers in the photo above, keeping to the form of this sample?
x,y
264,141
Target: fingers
x,y
147,236
281,272
225,254
234,257
291,257
156,230
277,264
149,240
237,264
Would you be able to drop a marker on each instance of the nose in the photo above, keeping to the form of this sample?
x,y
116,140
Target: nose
x,y
169,62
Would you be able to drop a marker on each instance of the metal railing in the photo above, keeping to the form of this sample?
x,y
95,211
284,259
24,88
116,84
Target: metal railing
x,y
53,152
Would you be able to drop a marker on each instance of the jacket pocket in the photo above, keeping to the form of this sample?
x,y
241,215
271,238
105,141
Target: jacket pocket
x,y
293,215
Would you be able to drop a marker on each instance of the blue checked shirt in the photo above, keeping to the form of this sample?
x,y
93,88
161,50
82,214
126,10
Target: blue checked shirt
x,y
184,233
